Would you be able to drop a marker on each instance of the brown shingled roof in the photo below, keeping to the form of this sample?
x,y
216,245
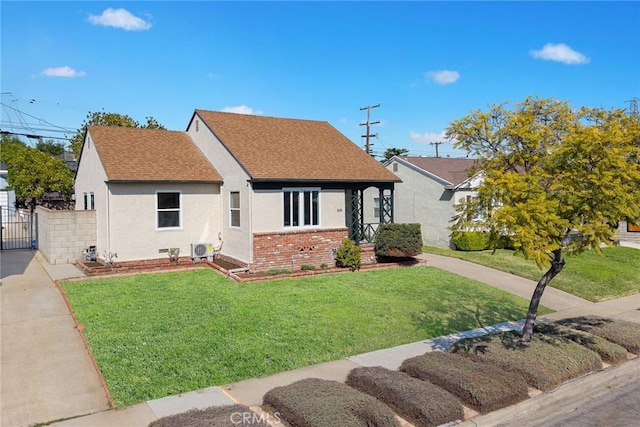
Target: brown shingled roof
x,y
140,154
271,148
452,170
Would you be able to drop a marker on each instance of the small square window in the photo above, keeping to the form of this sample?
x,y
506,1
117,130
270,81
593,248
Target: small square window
x,y
168,209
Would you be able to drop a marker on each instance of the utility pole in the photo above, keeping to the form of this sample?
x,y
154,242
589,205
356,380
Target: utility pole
x,y
436,144
633,107
368,123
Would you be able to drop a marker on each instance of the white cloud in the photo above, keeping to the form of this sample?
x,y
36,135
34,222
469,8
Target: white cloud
x,y
443,77
119,18
560,53
65,71
427,137
241,109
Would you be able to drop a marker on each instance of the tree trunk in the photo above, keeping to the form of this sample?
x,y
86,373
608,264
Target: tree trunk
x,y
557,263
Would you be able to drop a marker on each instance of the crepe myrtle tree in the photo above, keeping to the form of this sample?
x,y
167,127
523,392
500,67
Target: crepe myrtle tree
x,y
556,180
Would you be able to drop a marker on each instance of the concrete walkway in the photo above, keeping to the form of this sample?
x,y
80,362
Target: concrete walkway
x,y
250,392
47,373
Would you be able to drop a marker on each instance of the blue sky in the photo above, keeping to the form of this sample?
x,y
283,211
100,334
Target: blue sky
x,y
425,63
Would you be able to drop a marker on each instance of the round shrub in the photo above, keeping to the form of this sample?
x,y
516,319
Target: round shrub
x,y
470,240
348,255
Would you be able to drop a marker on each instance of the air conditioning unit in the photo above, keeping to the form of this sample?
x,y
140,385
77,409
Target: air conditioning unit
x,y
202,250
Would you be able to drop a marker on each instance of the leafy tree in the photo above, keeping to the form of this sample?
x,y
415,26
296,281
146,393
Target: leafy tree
x,y
51,148
9,145
390,152
557,180
32,173
108,119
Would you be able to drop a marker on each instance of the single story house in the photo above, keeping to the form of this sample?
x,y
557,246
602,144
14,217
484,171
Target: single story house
x,y
266,192
428,193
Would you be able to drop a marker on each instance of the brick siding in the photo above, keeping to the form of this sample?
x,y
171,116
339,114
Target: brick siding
x,y
291,250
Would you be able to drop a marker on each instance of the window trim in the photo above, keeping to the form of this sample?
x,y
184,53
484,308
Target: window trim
x,y
93,200
158,210
232,209
85,197
301,210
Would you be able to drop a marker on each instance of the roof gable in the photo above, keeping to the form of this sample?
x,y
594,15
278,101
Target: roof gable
x,y
140,154
452,170
271,148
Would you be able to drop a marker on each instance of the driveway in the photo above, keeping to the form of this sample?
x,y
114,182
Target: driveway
x,y
47,373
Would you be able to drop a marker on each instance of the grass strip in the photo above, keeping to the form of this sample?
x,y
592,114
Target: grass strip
x,y
588,275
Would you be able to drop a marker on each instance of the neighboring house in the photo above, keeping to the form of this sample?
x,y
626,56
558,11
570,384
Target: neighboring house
x,y
275,193
430,189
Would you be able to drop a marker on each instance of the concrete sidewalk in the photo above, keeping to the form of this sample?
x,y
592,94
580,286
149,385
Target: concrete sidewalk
x,y
250,392
47,373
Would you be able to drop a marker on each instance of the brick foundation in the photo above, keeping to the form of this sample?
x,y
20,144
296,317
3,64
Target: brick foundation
x,y
291,250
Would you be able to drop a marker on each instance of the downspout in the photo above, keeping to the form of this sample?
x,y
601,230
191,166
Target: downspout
x,y
108,219
250,185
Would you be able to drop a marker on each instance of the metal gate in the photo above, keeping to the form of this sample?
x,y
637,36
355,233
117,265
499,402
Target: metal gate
x,y
19,229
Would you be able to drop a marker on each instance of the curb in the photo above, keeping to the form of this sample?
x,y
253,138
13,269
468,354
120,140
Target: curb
x,y
566,398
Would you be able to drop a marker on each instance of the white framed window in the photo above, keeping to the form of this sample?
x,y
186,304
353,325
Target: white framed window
x,y
93,201
86,201
234,208
301,207
376,207
168,206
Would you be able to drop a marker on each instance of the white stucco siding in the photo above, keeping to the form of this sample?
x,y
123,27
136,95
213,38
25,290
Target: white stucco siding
x,y
133,223
424,200
268,210
237,240
91,178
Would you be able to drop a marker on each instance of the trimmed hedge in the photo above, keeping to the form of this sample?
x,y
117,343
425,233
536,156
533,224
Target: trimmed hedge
x,y
621,332
398,240
480,386
545,362
314,402
419,402
470,240
215,416
609,352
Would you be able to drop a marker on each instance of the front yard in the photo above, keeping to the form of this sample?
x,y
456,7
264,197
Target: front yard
x,y
588,275
162,334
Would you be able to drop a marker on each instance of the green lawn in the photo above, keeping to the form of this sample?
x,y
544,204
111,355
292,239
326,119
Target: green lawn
x,y
163,334
588,275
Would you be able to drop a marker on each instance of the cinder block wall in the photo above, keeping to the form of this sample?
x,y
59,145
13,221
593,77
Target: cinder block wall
x,y
63,234
291,250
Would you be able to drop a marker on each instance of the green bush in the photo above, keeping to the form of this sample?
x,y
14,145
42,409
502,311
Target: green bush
x,y
545,362
609,352
307,267
348,255
480,386
398,240
324,266
419,402
219,416
470,240
621,332
313,402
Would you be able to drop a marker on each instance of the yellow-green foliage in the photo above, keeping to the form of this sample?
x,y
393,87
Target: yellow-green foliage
x,y
551,169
